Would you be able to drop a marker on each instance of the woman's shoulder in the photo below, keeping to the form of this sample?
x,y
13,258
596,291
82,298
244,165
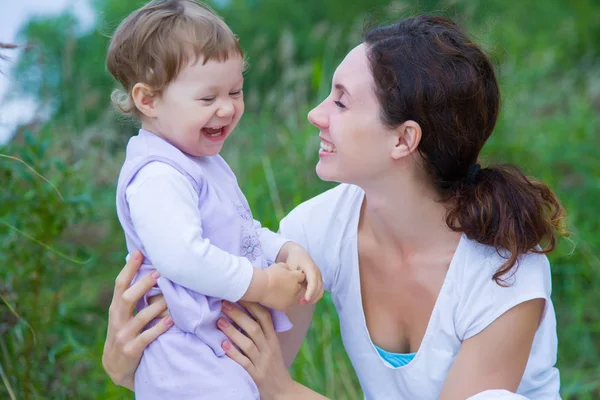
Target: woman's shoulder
x,y
326,211
480,262
341,199
480,298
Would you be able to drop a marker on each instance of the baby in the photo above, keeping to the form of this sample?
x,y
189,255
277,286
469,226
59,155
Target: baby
x,y
178,201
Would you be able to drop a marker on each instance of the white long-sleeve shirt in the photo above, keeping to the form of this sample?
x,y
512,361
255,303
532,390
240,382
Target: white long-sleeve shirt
x,y
164,211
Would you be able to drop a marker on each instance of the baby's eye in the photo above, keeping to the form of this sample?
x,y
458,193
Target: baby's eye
x,y
339,104
208,99
236,93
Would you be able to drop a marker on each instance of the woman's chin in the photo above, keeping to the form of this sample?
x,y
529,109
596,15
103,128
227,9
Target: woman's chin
x,y
326,173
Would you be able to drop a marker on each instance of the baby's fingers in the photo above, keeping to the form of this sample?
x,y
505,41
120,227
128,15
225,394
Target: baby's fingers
x,y
311,289
298,276
319,295
315,297
314,288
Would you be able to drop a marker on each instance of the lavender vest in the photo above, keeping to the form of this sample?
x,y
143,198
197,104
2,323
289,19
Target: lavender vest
x,y
226,221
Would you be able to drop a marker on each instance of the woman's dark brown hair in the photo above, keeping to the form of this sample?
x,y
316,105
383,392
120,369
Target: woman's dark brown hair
x,y
427,70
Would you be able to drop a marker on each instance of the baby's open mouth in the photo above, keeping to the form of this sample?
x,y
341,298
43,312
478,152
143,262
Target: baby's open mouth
x,y
213,132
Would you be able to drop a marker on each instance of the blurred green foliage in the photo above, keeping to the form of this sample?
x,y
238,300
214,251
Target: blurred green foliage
x,y
60,242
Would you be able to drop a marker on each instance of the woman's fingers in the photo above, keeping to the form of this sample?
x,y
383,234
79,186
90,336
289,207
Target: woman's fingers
x,y
141,319
135,292
127,273
259,312
238,357
263,360
154,299
245,344
252,328
262,315
128,335
146,337
124,343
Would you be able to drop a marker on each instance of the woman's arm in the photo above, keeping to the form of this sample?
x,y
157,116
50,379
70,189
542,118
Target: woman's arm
x,y
290,341
260,352
496,357
124,343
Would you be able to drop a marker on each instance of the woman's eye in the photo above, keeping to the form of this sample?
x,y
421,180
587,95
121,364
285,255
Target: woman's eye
x,y
339,104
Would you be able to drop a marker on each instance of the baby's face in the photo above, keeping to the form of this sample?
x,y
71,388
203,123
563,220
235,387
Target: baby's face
x,y
202,106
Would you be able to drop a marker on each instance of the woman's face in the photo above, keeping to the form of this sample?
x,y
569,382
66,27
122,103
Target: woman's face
x,y
355,144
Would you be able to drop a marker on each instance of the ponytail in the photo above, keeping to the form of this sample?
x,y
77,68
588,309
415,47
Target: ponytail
x,y
502,207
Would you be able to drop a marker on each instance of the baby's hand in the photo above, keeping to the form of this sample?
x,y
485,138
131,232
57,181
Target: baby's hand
x,y
298,258
283,286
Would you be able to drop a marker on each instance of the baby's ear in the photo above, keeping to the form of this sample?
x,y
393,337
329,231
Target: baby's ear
x,y
145,99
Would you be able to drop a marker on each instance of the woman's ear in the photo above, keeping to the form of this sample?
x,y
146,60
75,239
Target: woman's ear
x,y
407,139
145,99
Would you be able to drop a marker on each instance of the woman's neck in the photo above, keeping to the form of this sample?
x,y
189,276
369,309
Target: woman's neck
x,y
406,217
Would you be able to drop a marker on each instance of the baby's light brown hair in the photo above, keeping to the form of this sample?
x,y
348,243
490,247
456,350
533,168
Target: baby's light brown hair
x,y
154,43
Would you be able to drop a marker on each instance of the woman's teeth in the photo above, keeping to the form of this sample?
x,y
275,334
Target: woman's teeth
x,y
213,131
328,147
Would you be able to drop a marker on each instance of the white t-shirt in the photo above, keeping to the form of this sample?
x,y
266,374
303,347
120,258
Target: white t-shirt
x,y
468,302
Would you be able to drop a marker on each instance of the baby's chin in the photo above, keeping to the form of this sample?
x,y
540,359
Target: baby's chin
x,y
203,151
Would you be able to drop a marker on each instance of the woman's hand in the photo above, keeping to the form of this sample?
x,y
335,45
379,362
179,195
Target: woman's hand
x,y
124,343
260,352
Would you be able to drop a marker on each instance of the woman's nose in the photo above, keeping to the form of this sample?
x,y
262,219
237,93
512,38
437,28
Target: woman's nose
x,y
318,117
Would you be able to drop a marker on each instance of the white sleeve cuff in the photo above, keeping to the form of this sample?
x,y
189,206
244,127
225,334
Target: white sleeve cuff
x,y
238,289
270,242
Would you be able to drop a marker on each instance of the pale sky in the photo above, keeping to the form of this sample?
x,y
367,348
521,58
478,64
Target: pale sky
x,y
12,16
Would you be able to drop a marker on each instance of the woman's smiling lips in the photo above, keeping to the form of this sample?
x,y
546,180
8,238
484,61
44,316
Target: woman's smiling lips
x,y
327,148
